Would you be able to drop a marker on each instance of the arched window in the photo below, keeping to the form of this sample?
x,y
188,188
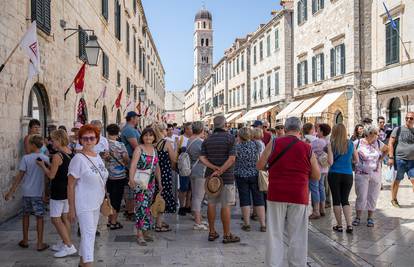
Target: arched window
x,y
206,42
395,113
38,105
339,118
202,41
204,25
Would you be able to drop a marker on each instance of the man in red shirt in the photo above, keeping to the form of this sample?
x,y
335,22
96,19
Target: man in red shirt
x,y
291,163
267,136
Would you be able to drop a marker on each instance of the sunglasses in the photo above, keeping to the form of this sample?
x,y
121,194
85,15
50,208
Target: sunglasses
x,y
409,118
88,138
280,128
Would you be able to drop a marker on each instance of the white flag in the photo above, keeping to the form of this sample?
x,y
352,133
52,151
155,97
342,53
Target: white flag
x,y
30,46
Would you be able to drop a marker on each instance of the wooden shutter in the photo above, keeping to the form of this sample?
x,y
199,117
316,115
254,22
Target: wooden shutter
x,y
127,37
105,66
46,16
314,69
299,11
128,86
105,9
276,83
321,4
305,10
395,43
83,39
332,62
314,6
299,76
40,12
342,58
388,36
306,71
322,60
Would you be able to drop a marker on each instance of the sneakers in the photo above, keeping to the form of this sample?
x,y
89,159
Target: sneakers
x,y
58,246
200,227
66,251
395,203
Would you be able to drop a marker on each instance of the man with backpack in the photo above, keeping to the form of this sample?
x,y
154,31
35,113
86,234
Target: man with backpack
x,y
401,154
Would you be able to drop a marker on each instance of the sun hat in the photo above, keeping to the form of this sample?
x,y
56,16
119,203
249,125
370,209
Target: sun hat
x,y
158,206
213,185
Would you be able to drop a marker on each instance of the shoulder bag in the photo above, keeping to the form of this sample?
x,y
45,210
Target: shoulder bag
x,y
142,177
106,207
263,178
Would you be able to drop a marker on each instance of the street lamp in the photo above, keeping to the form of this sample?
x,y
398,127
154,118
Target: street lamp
x,y
142,96
92,50
349,92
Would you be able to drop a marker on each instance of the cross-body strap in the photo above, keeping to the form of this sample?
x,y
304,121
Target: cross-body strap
x,y
289,146
100,174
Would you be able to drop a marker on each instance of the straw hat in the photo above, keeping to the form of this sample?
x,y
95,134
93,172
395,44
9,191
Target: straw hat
x,y
213,185
158,206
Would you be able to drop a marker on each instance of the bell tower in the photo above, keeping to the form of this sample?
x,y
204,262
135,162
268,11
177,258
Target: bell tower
x,y
203,45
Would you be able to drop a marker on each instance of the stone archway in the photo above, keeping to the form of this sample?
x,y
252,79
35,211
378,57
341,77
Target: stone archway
x,y
394,111
82,112
38,106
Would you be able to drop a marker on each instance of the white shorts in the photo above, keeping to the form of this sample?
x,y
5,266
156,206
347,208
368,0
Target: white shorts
x,y
58,207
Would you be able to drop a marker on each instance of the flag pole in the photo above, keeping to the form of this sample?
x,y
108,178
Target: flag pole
x,y
8,58
67,90
405,48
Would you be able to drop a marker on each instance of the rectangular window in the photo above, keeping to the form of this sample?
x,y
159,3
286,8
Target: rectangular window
x,y
127,38
234,67
83,39
255,90
276,39
261,89
128,86
117,20
302,69
118,78
242,62
105,9
134,5
135,92
41,14
338,60
105,65
140,59
269,85
318,68
230,70
302,11
317,5
238,65
238,96
135,49
234,97
268,45
254,55
392,53
242,94
276,83
261,50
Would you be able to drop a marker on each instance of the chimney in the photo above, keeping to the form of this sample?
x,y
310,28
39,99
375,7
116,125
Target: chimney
x,y
286,4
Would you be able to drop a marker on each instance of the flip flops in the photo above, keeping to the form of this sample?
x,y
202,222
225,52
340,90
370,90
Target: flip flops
x,y
23,245
43,248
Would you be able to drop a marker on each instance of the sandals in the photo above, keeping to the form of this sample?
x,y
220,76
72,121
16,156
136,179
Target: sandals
x,y
314,217
23,245
349,229
43,248
246,228
141,241
163,224
338,228
162,229
370,222
356,222
213,236
323,214
115,226
231,239
263,229
148,237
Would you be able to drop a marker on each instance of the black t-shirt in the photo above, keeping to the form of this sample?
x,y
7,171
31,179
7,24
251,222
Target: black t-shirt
x,y
60,183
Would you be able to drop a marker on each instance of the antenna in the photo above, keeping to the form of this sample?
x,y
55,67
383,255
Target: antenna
x,y
204,4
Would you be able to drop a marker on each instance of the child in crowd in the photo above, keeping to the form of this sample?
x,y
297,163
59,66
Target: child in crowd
x,y
33,187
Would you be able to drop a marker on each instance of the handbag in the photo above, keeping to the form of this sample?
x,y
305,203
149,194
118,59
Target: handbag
x,y
106,207
142,177
263,181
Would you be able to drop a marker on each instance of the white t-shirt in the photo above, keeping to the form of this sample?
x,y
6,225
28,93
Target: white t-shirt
x,y
90,187
102,146
185,141
172,140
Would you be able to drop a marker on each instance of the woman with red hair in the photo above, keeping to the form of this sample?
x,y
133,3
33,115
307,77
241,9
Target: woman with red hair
x,y
86,190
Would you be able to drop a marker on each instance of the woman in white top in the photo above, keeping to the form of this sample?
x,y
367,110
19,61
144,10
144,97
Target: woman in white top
x,y
86,191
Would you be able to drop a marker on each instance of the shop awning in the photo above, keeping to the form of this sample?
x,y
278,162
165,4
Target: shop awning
x,y
233,116
322,104
227,115
206,118
306,104
252,115
286,111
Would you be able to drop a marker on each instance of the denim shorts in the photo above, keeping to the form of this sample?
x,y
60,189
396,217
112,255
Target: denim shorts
x,y
249,190
33,205
405,167
185,184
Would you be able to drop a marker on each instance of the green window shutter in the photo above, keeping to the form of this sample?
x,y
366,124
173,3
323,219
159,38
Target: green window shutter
x,y
299,81
314,6
333,62
322,60
342,58
105,9
305,9
322,4
276,83
306,71
299,11
313,69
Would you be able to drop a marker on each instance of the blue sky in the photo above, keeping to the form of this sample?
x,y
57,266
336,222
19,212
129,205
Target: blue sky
x,y
172,25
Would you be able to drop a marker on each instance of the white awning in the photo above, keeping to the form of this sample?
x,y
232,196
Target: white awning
x,y
227,115
299,110
322,104
252,115
285,112
233,116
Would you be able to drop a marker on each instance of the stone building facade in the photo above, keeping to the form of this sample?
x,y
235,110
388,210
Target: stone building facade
x,y
220,86
174,107
393,67
131,64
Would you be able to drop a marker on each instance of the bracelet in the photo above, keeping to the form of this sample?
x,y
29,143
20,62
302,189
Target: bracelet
x,y
391,157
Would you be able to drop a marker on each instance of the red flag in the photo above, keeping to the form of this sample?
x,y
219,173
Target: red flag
x,y
80,80
146,111
118,99
138,107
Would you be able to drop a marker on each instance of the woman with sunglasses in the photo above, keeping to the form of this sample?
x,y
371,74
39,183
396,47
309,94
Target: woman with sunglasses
x,y
368,174
86,191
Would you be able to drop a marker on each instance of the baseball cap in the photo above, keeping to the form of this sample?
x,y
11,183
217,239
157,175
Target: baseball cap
x,y
131,114
257,123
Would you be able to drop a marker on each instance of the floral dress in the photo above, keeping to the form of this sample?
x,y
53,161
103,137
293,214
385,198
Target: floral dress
x,y
144,198
166,178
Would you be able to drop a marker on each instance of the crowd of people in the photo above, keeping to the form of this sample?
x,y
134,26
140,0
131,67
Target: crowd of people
x,y
163,169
